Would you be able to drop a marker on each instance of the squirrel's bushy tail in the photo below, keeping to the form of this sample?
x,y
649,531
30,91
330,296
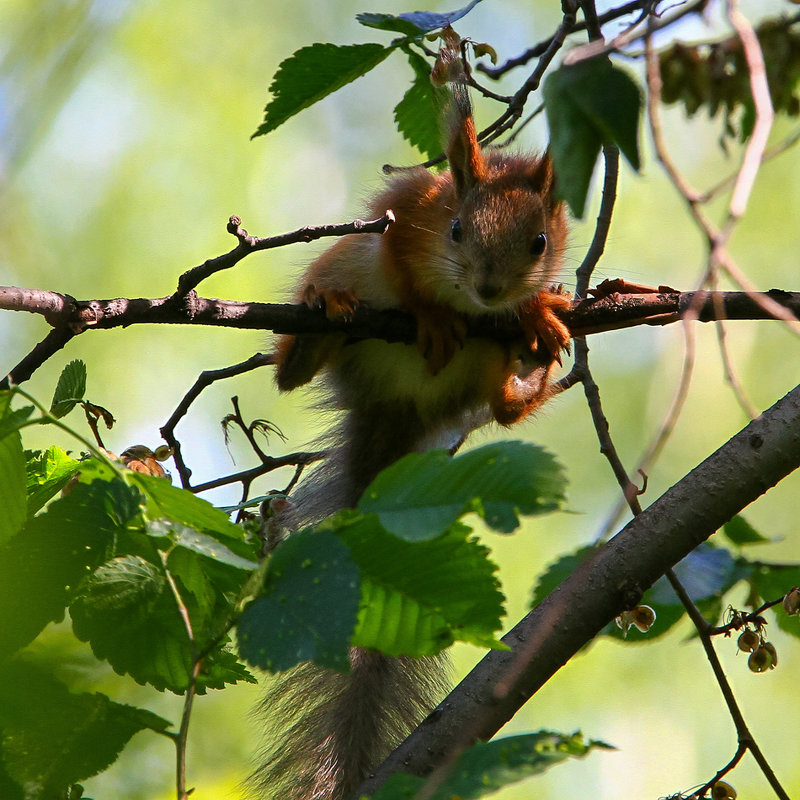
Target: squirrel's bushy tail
x,y
328,729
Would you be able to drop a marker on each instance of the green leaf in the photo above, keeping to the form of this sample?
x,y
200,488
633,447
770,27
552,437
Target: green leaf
x,y
13,502
774,580
420,597
423,494
43,564
9,788
309,606
52,738
48,472
488,766
314,72
417,114
589,104
128,613
70,388
165,501
201,543
741,532
11,421
415,22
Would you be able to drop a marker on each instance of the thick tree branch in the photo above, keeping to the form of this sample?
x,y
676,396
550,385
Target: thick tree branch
x,y
612,580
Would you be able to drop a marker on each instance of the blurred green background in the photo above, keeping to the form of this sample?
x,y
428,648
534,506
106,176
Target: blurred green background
x,y
124,147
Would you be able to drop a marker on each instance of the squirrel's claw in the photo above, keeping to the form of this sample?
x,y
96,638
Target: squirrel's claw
x,y
544,331
338,303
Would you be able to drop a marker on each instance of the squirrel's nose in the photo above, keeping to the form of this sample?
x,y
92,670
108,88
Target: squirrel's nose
x,y
489,289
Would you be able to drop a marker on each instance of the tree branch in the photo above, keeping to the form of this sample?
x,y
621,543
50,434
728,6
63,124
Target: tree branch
x,y
586,317
611,581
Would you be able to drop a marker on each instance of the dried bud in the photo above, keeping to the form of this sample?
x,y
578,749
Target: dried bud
x,y
162,452
749,641
642,617
761,659
723,791
484,49
791,600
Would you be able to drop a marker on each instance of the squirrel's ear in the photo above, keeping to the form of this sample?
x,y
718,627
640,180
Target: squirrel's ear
x,y
543,179
541,175
464,154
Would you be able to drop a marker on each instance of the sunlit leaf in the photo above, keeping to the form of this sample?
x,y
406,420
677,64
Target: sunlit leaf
x,y
422,596
421,495
70,388
314,72
13,502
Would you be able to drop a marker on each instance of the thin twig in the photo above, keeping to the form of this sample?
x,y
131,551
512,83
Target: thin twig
x,y
540,48
205,379
251,244
742,731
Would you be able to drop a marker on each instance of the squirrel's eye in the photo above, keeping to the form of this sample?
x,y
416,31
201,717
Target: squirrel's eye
x,y
539,244
455,230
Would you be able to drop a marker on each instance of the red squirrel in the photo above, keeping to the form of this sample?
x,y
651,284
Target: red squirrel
x,y
485,238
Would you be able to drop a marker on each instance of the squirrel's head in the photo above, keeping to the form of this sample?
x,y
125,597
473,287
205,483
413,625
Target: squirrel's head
x,y
508,230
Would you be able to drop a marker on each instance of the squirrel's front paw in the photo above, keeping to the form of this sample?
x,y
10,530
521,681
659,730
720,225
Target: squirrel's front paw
x,y
545,332
441,331
338,303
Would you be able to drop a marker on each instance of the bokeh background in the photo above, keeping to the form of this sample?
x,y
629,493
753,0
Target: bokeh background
x,y
124,147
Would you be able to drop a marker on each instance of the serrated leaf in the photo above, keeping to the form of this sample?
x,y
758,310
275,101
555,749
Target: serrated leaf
x,y
309,606
488,766
43,564
128,613
48,472
52,738
421,495
165,501
417,114
181,536
413,23
13,502
314,72
589,104
420,597
70,388
741,532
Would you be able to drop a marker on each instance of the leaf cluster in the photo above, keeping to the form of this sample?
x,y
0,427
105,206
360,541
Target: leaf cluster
x,y
153,579
402,573
148,574
716,77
